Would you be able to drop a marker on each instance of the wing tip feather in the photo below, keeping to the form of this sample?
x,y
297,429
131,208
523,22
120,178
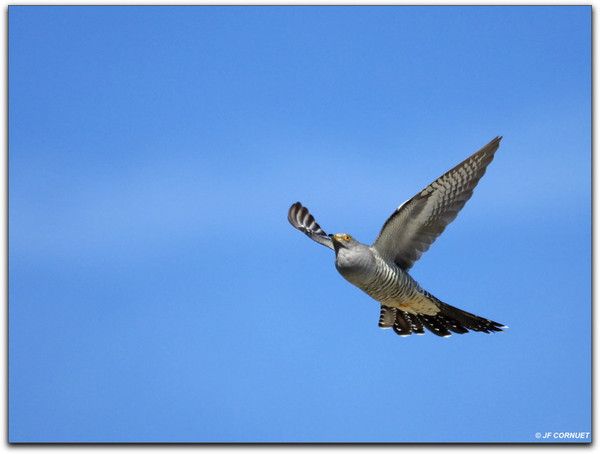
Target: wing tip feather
x,y
301,219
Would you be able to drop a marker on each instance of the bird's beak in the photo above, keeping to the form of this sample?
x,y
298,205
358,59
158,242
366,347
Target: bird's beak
x,y
338,242
335,240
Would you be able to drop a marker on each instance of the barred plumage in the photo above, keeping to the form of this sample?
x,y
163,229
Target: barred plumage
x,y
380,270
397,291
415,225
301,219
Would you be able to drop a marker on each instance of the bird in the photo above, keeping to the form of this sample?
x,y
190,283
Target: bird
x,y
382,269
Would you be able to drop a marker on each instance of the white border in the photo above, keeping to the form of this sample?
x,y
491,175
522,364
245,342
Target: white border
x,y
269,448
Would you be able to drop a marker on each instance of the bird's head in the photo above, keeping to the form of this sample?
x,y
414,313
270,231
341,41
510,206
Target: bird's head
x,y
343,240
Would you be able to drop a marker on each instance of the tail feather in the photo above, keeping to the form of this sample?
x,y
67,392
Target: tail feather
x,y
452,324
435,324
469,321
387,317
402,326
416,323
448,320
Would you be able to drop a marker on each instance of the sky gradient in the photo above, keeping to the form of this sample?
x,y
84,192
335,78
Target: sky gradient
x,y
156,289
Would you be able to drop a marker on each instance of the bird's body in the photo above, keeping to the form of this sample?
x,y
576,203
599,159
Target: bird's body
x,y
382,281
381,270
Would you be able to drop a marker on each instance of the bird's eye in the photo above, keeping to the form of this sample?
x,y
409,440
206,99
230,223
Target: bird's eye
x,y
346,237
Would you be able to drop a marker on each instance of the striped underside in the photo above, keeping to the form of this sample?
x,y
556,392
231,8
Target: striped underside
x,y
407,308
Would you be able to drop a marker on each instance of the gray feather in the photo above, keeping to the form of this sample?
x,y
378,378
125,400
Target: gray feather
x,y
301,219
416,224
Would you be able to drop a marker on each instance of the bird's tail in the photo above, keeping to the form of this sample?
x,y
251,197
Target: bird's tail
x,y
460,321
448,320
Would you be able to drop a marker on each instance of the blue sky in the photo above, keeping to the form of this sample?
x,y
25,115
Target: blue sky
x,y
157,292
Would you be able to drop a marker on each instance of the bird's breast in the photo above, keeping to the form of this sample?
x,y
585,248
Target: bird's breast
x,y
355,266
384,282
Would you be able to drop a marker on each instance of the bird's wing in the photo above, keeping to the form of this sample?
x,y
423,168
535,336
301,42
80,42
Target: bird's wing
x,y
301,219
415,225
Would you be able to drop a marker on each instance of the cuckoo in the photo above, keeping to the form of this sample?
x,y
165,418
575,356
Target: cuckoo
x,y
381,270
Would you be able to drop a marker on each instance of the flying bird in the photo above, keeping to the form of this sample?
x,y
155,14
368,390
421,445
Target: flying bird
x,y
381,270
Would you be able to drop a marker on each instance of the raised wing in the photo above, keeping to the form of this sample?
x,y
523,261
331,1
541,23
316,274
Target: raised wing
x,y
301,219
415,225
